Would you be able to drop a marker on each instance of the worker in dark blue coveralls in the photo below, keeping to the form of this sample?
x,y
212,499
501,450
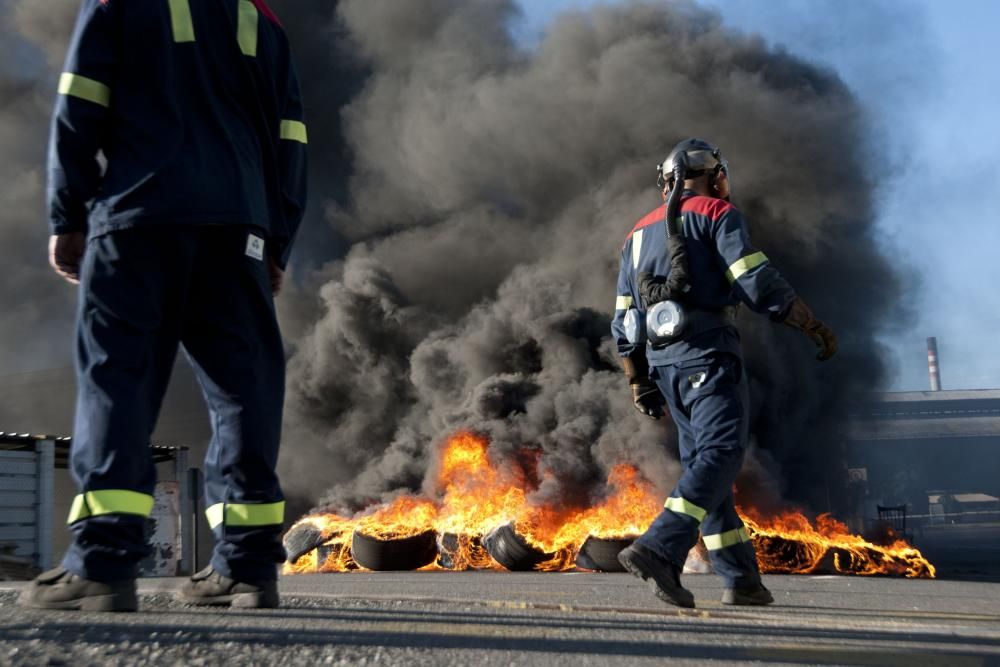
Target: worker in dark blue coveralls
x,y
700,376
178,237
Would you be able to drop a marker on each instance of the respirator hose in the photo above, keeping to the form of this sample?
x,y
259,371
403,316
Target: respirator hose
x,y
677,284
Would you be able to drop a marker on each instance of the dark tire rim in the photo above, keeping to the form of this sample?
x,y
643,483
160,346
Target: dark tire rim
x,y
386,555
601,554
512,551
300,540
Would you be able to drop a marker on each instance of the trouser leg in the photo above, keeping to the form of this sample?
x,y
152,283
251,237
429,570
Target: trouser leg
x,y
729,546
125,349
672,535
231,337
709,402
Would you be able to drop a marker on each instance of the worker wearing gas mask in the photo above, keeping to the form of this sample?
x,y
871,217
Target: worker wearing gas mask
x,y
685,268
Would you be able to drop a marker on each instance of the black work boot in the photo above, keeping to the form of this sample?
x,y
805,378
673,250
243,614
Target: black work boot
x,y
61,589
208,587
663,576
757,596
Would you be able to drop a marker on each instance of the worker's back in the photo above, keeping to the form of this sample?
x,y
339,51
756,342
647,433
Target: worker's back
x,y
195,106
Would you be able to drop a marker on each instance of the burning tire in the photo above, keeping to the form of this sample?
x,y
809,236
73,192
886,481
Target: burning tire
x,y
512,551
300,540
463,552
601,554
405,553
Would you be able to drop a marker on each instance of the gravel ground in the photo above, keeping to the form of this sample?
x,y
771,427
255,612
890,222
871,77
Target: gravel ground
x,y
523,619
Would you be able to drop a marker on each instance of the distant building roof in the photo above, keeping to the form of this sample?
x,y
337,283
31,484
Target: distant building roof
x,y
944,395
914,415
965,498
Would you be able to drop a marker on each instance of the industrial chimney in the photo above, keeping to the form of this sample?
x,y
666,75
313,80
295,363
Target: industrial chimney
x,y
932,364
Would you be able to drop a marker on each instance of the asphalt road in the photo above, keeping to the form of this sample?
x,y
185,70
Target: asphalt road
x,y
492,618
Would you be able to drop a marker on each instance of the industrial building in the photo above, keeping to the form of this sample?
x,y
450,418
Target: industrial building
x,y
936,454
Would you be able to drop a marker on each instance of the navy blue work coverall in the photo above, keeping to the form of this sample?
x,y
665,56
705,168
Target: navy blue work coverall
x,y
702,376
195,107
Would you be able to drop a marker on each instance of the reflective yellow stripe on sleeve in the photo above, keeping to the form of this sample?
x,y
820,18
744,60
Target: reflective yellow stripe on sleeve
x,y
727,539
109,501
744,264
246,515
623,303
294,130
180,21
246,28
681,506
84,88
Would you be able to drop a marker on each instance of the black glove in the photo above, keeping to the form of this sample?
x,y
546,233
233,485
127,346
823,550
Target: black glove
x,y
646,397
799,316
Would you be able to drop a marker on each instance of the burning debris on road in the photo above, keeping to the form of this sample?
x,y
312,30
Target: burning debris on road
x,y
483,520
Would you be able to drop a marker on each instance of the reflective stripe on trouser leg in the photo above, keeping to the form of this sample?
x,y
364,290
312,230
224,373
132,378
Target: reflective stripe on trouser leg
x,y
686,507
731,550
245,515
109,501
727,539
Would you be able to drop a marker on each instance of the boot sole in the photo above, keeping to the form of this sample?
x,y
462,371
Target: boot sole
x,y
759,598
261,600
627,562
746,601
116,602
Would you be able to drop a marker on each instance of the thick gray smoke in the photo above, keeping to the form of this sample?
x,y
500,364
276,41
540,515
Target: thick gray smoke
x,y
37,306
491,187
470,196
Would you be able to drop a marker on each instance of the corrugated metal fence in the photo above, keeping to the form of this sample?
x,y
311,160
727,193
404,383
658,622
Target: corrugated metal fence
x,y
26,501
27,464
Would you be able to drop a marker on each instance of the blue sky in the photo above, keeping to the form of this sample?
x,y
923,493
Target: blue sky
x,y
925,71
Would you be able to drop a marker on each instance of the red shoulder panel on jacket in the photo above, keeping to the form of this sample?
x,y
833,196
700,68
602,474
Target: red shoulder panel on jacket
x,y
650,218
710,207
266,11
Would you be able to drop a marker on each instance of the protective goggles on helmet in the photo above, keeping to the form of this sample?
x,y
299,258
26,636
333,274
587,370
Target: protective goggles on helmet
x,y
700,161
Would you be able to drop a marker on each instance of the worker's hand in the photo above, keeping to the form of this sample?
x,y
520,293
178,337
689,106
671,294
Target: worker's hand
x,y
799,316
277,276
825,340
66,254
647,399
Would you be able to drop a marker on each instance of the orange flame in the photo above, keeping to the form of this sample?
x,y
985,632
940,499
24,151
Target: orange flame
x,y
788,543
473,496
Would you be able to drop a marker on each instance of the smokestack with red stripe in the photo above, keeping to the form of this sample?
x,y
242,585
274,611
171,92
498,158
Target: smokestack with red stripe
x,y
932,364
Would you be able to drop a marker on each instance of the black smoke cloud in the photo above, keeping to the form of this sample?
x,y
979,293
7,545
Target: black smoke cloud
x,y
470,195
37,307
490,188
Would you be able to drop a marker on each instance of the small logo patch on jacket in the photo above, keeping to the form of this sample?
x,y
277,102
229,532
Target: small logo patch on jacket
x,y
697,379
255,247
